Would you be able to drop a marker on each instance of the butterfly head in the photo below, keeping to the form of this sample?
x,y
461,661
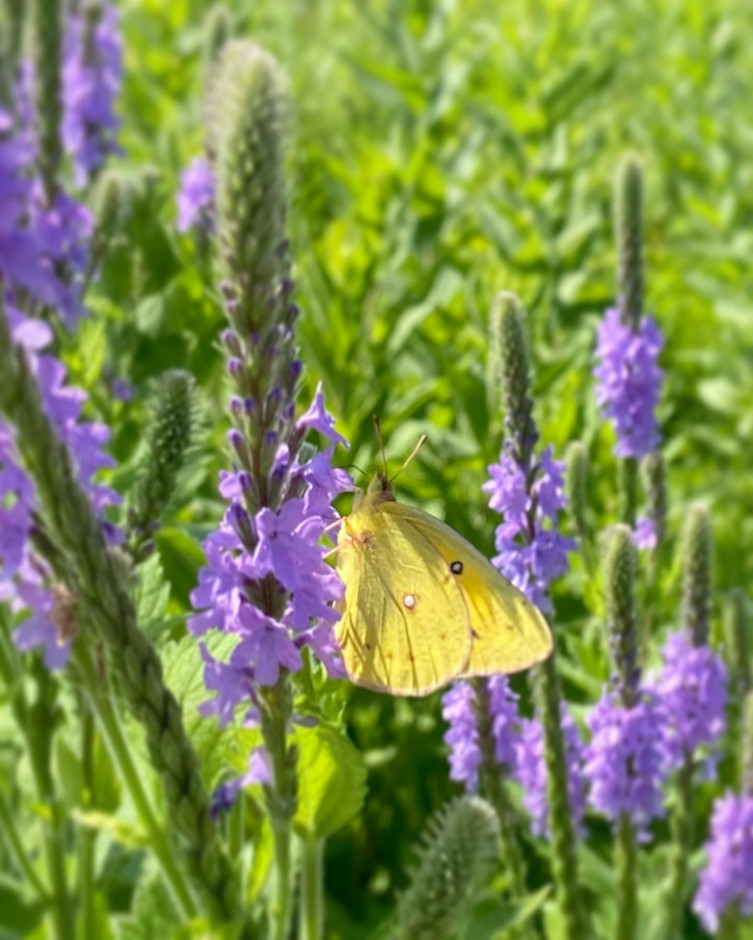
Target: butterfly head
x,y
380,489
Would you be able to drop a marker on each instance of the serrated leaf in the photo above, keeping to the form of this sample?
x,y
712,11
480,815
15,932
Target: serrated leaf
x,y
217,748
152,593
331,781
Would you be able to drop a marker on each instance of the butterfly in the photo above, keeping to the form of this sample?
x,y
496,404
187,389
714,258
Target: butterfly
x,y
422,606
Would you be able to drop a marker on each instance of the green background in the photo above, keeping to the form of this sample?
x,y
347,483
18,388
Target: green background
x,y
439,153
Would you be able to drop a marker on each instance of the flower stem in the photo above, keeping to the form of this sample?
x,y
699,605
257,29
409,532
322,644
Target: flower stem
x,y
682,825
103,707
87,837
627,891
564,862
312,908
729,924
17,851
628,490
37,725
281,797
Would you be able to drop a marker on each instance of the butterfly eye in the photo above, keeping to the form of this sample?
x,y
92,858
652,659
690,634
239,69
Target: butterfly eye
x,y
456,567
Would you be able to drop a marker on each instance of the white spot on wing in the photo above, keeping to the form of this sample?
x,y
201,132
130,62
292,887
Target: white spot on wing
x,y
410,601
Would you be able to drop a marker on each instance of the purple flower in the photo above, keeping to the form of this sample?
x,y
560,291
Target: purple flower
x,y
625,759
531,772
275,552
725,881
19,251
92,74
462,734
644,534
691,690
503,707
531,553
629,381
24,580
458,710
319,420
259,771
196,196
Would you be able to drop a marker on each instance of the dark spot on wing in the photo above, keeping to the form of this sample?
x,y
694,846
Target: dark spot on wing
x,y
456,567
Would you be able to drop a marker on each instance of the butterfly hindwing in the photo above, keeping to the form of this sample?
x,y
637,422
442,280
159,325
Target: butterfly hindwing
x,y
509,633
404,627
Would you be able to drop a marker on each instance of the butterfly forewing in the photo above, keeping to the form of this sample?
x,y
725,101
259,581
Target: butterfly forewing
x,y
404,627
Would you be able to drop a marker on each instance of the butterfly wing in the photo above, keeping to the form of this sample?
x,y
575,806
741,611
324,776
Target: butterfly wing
x,y
404,627
509,633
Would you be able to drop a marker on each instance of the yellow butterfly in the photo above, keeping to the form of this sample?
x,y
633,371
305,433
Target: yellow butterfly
x,y
422,606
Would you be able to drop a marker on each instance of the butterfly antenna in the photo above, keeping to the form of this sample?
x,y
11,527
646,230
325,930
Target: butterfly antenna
x,y
380,441
413,453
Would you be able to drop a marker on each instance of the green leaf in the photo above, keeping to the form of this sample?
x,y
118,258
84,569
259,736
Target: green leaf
x,y
181,557
106,785
218,748
263,849
153,913
18,914
491,914
151,595
68,768
331,781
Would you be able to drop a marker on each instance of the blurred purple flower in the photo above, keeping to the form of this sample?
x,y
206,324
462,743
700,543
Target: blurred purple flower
x,y
629,381
691,690
725,881
644,534
259,771
503,707
24,579
196,196
624,762
462,734
531,772
92,75
529,554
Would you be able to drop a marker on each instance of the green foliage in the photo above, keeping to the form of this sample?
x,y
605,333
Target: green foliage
x,y
170,436
696,565
458,853
442,153
331,781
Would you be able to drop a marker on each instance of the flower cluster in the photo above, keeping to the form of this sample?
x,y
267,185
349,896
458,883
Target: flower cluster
x,y
629,381
725,881
92,74
43,246
459,711
196,196
692,692
462,735
272,560
624,761
531,552
530,771
24,578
